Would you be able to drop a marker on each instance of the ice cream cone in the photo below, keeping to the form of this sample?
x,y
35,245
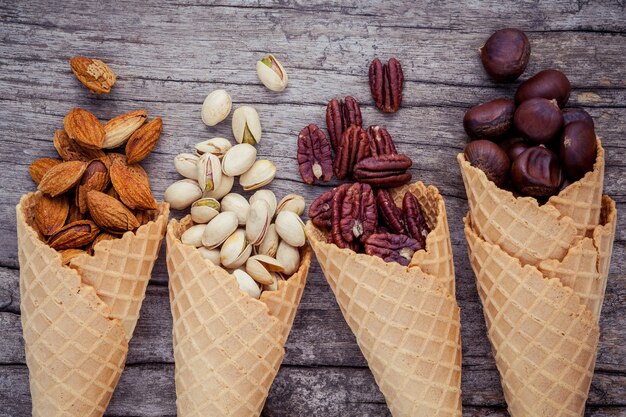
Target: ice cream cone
x,y
227,346
75,345
406,321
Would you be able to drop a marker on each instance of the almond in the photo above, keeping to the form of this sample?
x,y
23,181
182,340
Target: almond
x,y
50,213
68,254
85,128
110,214
69,150
74,235
143,141
39,168
93,74
74,214
132,184
144,216
96,177
101,237
62,177
120,128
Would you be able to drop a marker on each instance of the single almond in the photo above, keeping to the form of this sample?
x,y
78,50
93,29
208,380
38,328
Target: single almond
x,y
39,168
120,128
144,216
69,150
109,213
93,74
74,235
68,254
101,237
50,213
62,177
132,184
143,141
96,177
85,128
74,214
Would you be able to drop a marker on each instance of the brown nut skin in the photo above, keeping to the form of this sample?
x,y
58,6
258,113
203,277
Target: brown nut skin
x,y
390,214
392,247
505,54
384,171
320,210
314,155
538,120
515,150
550,84
578,150
489,120
339,116
489,158
336,236
381,142
414,219
386,83
359,215
537,172
576,114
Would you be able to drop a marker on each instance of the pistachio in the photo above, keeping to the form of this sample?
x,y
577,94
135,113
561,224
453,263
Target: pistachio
x,y
235,250
289,258
237,204
274,285
193,235
260,174
258,221
247,284
268,196
186,164
271,73
269,244
238,159
292,202
260,268
209,172
222,189
290,228
204,210
182,193
216,146
219,229
212,255
246,125
216,107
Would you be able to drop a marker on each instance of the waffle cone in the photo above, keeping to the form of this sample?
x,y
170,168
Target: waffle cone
x,y
227,346
406,321
75,345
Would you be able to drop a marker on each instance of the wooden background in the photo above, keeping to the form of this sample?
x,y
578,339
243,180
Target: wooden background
x,y
169,56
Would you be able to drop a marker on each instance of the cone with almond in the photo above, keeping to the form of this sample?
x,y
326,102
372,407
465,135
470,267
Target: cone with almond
x,y
87,243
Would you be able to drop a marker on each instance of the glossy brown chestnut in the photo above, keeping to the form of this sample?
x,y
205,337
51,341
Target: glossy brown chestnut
x,y
539,120
537,172
575,114
490,158
515,150
489,120
551,84
578,150
505,54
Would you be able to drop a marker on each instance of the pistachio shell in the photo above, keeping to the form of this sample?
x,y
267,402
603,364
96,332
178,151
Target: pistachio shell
x,y
212,255
237,204
235,250
186,164
258,222
182,193
247,284
289,257
268,196
219,229
274,285
224,188
290,228
216,146
269,244
209,172
271,73
260,268
246,125
193,235
205,209
292,202
216,107
260,174
238,159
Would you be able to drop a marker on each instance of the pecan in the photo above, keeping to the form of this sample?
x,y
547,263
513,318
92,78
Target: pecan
x,y
414,220
392,247
320,211
386,84
339,116
389,212
336,213
314,155
354,146
384,171
359,216
381,142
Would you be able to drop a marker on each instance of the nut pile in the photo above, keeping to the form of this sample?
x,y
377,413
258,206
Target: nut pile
x,y
532,144
90,195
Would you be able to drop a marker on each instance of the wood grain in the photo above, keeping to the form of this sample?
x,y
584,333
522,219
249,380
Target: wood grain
x,y
168,56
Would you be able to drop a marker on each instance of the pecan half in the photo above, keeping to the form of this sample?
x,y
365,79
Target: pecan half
x,y
414,219
336,212
314,155
320,211
384,171
392,247
354,146
359,216
381,142
389,212
339,116
386,84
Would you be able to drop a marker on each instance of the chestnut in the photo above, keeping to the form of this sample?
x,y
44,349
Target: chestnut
x,y
505,54
515,150
490,158
489,120
575,114
578,150
550,84
536,172
539,120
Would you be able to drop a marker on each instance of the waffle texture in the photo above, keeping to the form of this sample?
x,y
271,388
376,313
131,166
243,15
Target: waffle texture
x,y
406,321
227,346
75,346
